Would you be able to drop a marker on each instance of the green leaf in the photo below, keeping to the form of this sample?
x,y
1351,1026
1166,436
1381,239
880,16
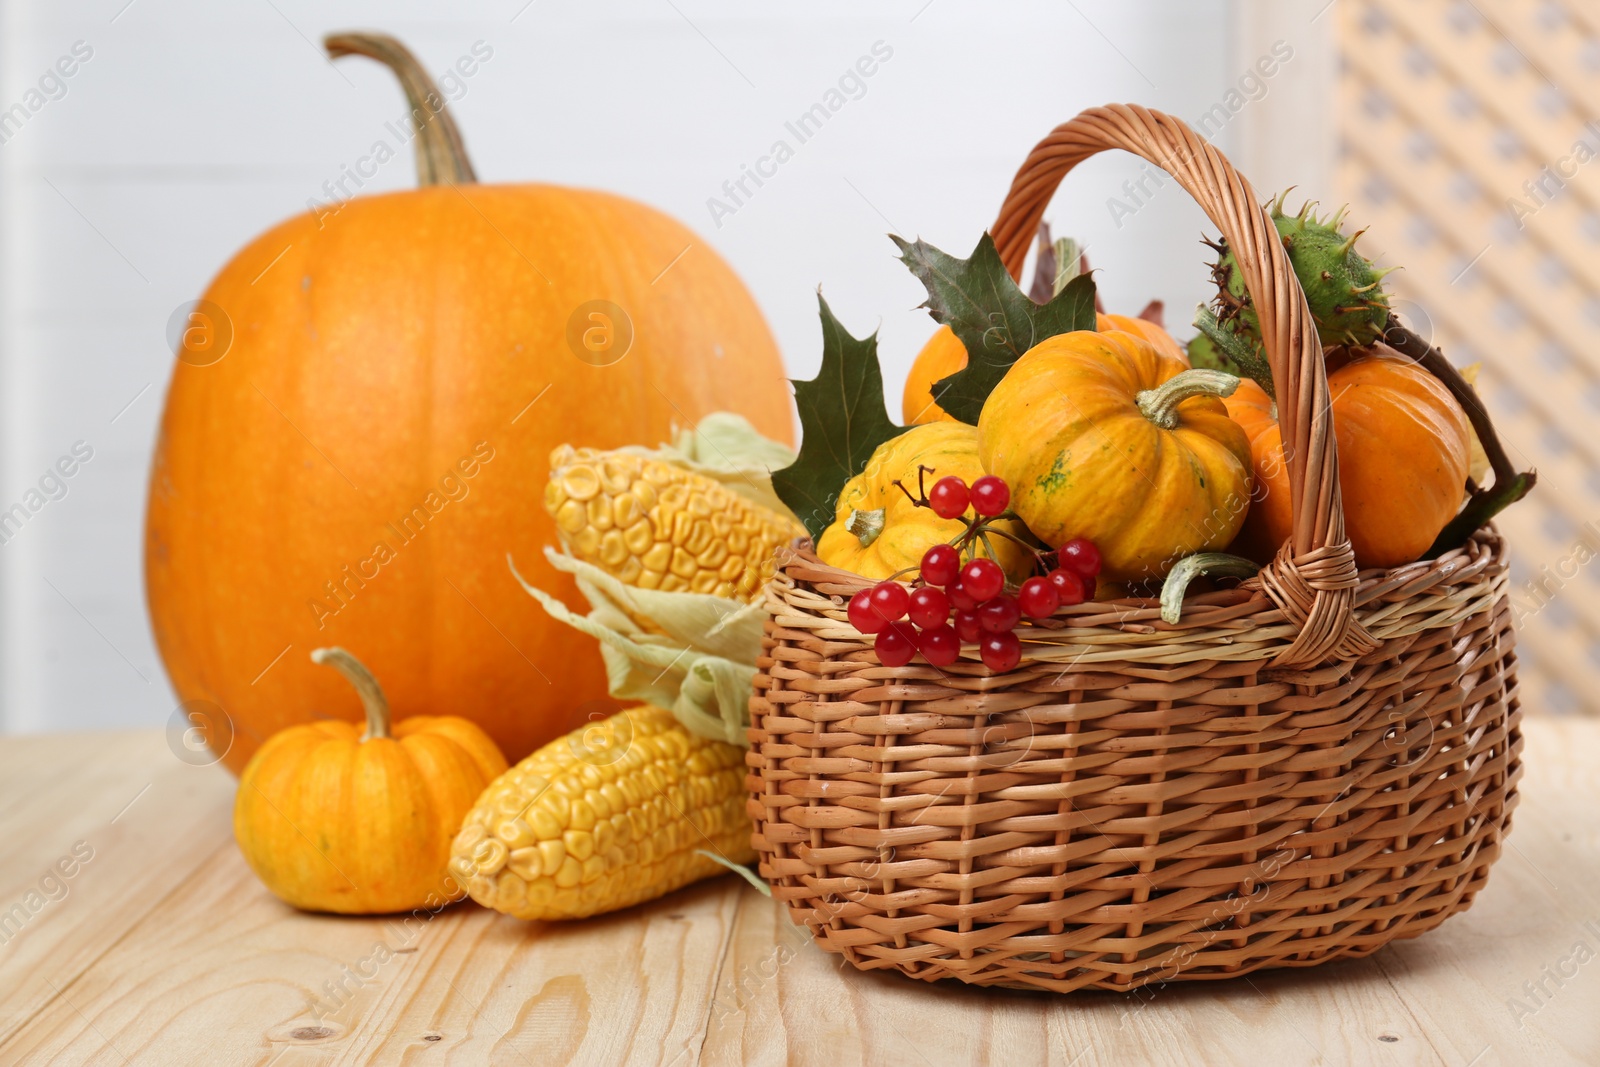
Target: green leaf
x,y
991,315
843,419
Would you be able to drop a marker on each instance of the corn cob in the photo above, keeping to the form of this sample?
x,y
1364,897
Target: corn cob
x,y
603,819
606,818
656,525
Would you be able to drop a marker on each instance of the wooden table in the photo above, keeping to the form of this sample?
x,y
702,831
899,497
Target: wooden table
x,y
161,948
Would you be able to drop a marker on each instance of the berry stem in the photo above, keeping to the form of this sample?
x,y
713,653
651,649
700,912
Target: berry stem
x,y
988,545
1038,556
921,499
975,527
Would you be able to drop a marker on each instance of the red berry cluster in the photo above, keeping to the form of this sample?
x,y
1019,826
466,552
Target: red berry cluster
x,y
954,603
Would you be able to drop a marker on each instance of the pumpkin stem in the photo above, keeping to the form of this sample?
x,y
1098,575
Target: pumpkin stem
x,y
1160,405
1189,568
372,697
866,525
441,155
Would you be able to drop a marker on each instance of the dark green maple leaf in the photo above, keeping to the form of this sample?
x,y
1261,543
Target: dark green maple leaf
x,y
842,421
991,315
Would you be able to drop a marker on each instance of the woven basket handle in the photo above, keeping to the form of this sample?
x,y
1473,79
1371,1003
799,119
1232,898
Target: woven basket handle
x,y
1313,577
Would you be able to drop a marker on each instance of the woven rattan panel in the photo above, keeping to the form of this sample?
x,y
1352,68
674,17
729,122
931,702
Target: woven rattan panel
x,y
1470,144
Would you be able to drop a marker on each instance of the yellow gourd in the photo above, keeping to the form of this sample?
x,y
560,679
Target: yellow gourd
x,y
878,531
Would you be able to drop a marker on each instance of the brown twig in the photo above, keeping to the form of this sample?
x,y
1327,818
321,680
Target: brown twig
x,y
1047,273
1510,485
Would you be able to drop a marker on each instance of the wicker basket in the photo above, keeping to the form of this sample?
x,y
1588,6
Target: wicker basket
x,y
1306,767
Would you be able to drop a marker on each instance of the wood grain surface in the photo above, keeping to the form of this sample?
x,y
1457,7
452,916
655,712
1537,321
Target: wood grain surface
x,y
161,948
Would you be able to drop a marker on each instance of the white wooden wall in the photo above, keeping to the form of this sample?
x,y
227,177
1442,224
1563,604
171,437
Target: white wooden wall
x,y
193,126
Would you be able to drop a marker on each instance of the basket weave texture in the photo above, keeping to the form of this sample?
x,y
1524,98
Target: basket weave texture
x,y
1305,767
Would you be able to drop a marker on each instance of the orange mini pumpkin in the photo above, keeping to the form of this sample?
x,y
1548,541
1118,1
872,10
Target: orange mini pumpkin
x,y
334,818
944,354
1404,449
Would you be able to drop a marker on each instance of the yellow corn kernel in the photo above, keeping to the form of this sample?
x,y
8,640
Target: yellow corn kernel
x,y
544,824
613,551
515,833
569,874
511,888
552,854
525,863
684,565
664,793
660,526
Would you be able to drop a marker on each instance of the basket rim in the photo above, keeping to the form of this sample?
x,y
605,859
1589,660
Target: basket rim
x,y
1241,623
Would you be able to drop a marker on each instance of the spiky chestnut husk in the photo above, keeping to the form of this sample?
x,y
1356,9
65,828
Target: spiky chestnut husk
x,y
1342,286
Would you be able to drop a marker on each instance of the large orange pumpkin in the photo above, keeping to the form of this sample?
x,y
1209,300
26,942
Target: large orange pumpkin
x,y
944,354
1404,449
356,466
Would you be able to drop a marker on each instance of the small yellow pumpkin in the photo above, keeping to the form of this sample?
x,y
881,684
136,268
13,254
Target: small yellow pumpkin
x,y
335,819
878,531
1101,436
